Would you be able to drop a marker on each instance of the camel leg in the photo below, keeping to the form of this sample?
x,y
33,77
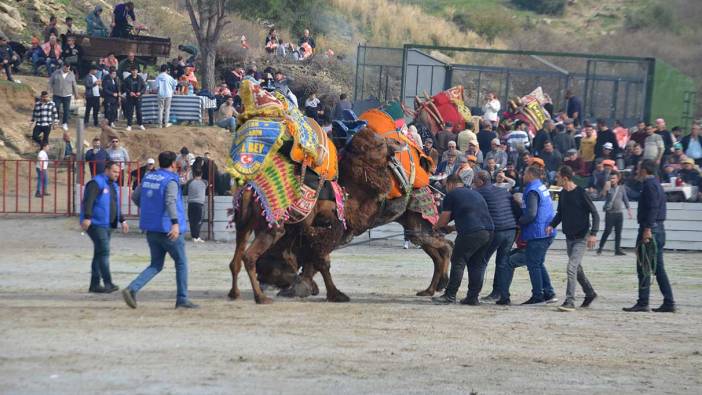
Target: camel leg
x,y
242,237
323,264
420,232
262,242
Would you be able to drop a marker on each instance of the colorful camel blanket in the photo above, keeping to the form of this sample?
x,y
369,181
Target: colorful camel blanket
x,y
256,143
422,201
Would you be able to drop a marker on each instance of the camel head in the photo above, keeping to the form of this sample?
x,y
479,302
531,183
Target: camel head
x,y
365,162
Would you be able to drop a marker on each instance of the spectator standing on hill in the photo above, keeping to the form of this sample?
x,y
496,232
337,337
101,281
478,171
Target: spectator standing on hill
x,y
62,84
95,26
475,229
197,190
42,169
574,210
120,19
51,28
134,88
162,217
650,241
692,143
96,158
44,116
92,96
166,87
110,93
99,214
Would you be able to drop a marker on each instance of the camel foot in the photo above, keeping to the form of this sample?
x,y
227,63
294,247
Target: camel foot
x,y
264,300
338,297
443,283
234,294
426,292
315,288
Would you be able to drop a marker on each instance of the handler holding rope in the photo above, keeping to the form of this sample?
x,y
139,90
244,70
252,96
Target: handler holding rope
x,y
650,241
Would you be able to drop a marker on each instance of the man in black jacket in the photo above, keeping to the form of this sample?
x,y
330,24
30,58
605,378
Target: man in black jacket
x,y
110,93
605,135
651,214
574,209
502,211
134,87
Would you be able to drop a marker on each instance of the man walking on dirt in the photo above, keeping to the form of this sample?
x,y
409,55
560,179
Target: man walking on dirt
x,y
574,210
99,214
162,217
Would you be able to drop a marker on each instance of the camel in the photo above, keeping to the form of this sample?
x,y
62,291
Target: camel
x,y
322,230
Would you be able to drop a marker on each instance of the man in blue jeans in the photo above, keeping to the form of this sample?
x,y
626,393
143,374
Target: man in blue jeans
x,y
99,214
537,213
501,207
651,215
162,217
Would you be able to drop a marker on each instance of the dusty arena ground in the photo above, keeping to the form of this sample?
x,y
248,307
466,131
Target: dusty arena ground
x,y
57,338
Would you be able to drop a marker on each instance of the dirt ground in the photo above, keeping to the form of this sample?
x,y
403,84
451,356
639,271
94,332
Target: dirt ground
x,y
57,338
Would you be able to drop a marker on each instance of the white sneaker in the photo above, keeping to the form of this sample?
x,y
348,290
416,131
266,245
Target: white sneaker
x,y
18,82
112,125
407,245
129,128
141,127
168,125
65,126
198,240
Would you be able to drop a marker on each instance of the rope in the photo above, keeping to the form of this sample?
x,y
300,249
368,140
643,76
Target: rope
x,y
647,259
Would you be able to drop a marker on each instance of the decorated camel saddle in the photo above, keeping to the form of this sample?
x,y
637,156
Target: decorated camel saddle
x,y
285,157
410,188
446,106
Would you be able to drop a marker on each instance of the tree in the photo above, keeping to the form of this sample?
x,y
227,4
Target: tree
x,y
208,18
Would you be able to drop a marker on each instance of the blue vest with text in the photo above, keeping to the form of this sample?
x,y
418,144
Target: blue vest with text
x,y
536,229
101,207
152,202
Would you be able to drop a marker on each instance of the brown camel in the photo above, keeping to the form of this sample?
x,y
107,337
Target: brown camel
x,y
366,183
369,154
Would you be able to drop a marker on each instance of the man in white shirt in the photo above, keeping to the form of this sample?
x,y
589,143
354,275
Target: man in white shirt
x,y
491,109
42,167
92,96
166,86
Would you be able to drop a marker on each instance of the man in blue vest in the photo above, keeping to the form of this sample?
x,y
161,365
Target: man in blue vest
x,y
99,214
537,213
162,217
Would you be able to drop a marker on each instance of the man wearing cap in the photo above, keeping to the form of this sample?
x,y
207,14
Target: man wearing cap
x,y
99,214
431,152
450,165
576,163
689,173
654,146
460,156
138,174
497,153
692,143
651,216
162,217
606,152
92,96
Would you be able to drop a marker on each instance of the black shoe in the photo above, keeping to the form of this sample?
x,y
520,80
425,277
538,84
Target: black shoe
x,y
129,297
110,288
493,297
99,289
599,251
665,308
444,299
534,301
620,253
47,194
637,308
567,306
470,301
38,195
187,305
551,298
504,302
588,300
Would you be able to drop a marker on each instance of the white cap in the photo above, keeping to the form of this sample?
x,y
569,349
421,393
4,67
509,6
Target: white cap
x,y
607,145
150,161
495,141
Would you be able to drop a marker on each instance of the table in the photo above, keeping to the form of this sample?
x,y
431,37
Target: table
x,y
689,191
183,108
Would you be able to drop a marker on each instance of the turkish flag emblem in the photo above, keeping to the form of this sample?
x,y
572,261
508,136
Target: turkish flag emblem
x,y
246,159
